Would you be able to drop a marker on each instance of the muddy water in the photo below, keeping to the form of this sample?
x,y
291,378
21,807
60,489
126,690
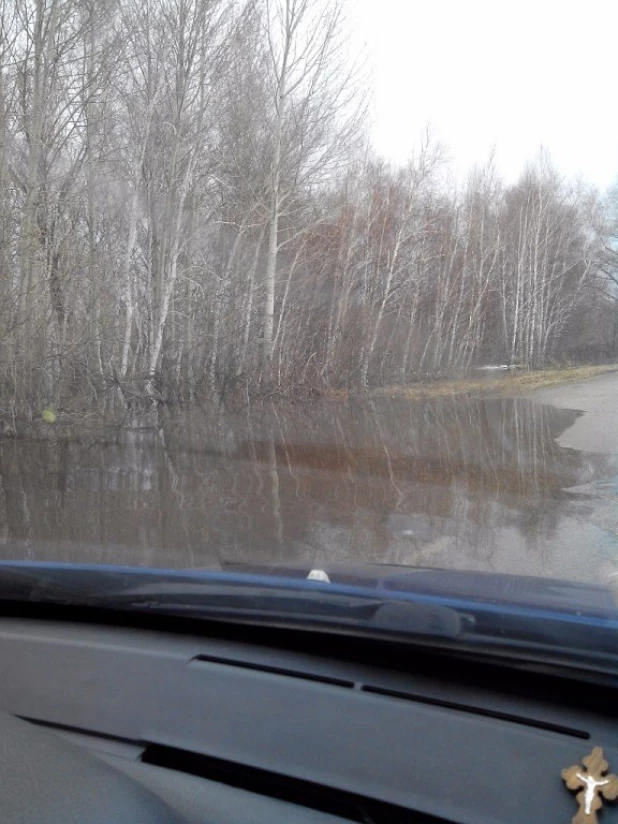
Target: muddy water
x,y
442,483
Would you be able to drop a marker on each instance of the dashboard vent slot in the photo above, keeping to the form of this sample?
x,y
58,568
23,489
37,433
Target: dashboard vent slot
x,y
273,670
345,805
488,713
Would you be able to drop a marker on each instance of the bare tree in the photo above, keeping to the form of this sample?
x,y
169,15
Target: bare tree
x,y
314,116
189,207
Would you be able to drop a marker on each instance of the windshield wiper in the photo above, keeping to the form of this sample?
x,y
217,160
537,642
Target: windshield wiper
x,y
225,597
518,634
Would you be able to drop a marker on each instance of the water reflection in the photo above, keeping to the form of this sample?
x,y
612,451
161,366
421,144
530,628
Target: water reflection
x,y
437,482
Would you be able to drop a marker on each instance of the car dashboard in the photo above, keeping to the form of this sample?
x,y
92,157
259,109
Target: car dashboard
x,y
101,720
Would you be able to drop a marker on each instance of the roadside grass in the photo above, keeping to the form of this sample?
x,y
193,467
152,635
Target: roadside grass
x,y
496,386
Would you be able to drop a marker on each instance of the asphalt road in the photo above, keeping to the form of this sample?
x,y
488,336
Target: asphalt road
x,y
596,430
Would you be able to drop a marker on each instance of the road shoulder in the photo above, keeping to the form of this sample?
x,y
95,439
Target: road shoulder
x,y
596,430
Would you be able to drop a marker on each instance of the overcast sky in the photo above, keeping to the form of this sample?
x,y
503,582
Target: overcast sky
x,y
485,73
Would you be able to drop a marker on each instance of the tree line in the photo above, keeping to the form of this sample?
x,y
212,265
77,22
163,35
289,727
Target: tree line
x,y
189,207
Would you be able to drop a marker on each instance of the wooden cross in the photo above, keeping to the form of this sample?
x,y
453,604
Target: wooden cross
x,y
592,782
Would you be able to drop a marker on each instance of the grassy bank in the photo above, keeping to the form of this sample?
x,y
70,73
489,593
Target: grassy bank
x,y
500,385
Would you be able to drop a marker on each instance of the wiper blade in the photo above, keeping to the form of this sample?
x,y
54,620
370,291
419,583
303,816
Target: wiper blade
x,y
490,629
246,603
226,597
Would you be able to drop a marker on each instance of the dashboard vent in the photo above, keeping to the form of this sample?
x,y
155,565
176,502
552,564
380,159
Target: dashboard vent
x,y
273,670
484,711
419,698
345,805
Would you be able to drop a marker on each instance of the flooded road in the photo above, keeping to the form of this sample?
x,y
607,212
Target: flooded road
x,y
448,482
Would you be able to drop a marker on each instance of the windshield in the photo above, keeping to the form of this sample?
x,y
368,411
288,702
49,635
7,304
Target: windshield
x,y
294,287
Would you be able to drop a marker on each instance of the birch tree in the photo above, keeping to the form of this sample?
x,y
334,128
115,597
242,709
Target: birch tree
x,y
189,208
314,117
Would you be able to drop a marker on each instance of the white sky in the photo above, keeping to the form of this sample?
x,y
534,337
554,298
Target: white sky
x,y
515,75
